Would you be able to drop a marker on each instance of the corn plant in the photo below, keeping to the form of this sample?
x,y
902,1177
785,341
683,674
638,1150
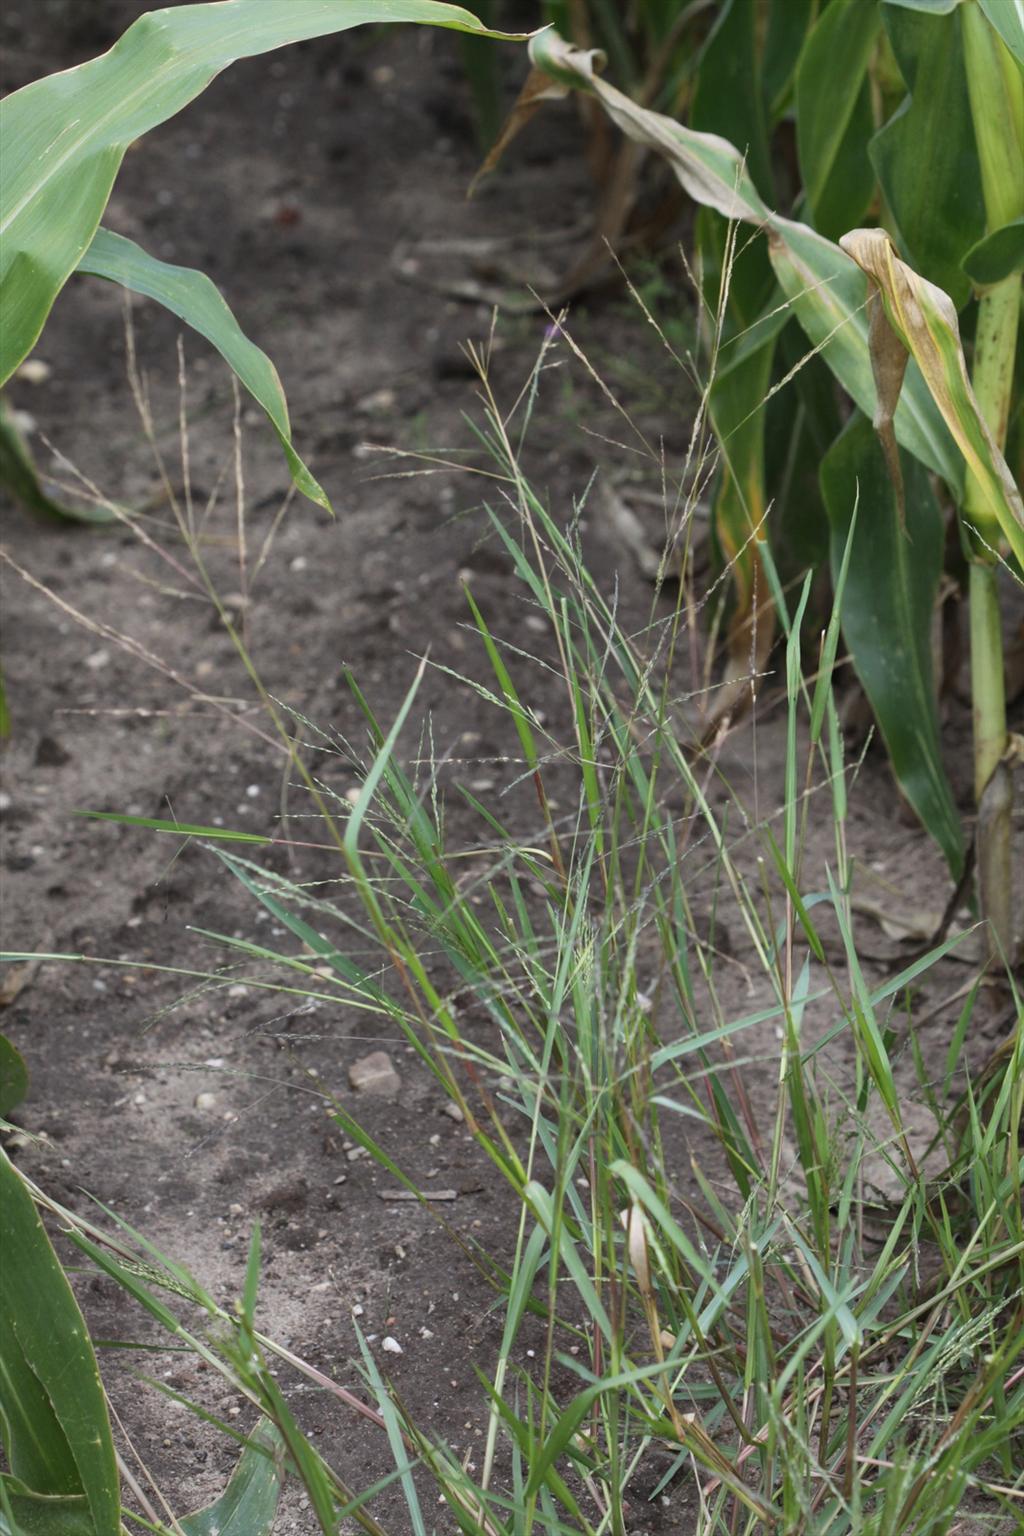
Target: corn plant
x,y
910,112
64,139
62,1476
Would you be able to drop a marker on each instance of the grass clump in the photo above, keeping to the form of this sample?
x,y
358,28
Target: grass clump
x,y
750,1284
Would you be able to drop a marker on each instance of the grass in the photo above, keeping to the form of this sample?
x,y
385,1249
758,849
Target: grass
x,y
749,1283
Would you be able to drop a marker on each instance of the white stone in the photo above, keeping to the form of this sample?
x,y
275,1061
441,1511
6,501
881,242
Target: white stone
x,y
375,1074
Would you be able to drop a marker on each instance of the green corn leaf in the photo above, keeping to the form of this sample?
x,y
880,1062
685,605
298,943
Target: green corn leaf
x,y
833,114
787,31
13,1077
19,475
65,136
741,502
56,1432
995,84
195,299
995,257
926,156
928,7
890,588
1007,17
248,1505
802,422
32,1514
728,99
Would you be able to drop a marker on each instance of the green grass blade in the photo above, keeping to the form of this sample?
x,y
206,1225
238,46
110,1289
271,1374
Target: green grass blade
x,y
393,1426
183,828
830,648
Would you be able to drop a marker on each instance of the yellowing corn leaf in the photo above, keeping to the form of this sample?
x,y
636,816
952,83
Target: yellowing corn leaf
x,y
924,320
710,169
936,400
826,288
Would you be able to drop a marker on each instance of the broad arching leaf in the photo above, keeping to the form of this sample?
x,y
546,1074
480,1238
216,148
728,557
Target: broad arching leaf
x,y
833,114
64,136
892,580
195,299
1007,16
56,1432
248,1505
926,156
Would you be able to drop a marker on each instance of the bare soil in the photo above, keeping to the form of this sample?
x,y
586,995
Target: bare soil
x,y
323,188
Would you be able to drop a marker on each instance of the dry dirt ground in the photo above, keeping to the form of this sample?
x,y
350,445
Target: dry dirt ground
x,y
323,189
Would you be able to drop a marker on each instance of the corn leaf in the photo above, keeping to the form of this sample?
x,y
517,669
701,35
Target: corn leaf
x,y
13,1077
892,580
787,31
929,7
19,476
739,290
995,257
728,98
923,318
56,1433
740,507
195,299
65,136
802,422
937,416
33,1515
934,193
833,115
1007,17
248,1505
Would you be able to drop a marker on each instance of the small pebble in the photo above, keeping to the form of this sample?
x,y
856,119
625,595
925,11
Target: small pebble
x,y
392,1346
205,1100
34,371
452,1110
375,1074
